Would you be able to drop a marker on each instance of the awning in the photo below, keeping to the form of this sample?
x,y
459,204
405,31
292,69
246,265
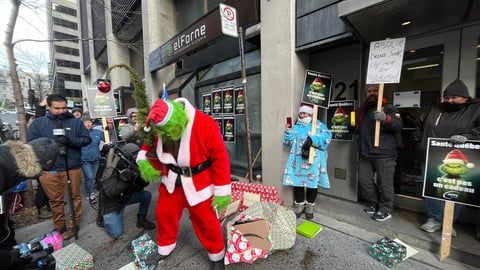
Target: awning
x,y
380,19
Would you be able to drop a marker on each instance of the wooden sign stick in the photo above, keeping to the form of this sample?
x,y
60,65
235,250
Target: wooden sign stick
x,y
314,128
379,108
447,230
106,132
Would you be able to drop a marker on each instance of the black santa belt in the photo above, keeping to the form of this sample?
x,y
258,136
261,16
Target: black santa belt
x,y
190,171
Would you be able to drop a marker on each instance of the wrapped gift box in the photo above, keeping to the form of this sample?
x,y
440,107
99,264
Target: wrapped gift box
x,y
387,252
73,257
142,248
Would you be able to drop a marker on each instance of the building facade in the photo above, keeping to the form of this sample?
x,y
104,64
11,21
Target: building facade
x,y
63,30
180,43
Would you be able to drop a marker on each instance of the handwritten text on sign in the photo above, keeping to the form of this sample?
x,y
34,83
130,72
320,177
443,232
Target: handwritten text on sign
x,y
385,61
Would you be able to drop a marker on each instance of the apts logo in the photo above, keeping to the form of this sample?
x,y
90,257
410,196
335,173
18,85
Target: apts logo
x,y
169,50
451,195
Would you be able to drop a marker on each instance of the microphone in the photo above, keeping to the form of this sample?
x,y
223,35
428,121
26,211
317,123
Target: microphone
x,y
60,131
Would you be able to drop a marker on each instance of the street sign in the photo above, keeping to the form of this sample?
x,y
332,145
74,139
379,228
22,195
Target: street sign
x,y
228,17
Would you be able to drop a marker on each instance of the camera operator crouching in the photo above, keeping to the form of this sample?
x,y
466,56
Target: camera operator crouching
x,y
119,184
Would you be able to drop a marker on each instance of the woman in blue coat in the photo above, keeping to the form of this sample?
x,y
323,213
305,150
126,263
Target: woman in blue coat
x,y
299,173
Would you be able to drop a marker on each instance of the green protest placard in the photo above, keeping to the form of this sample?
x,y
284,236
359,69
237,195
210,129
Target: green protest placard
x,y
452,171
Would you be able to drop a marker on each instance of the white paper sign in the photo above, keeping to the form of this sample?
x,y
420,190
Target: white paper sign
x,y
407,99
250,198
385,61
232,208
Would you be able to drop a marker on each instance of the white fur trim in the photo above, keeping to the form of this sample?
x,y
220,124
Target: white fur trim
x,y
305,109
217,257
222,190
193,196
142,155
147,129
166,250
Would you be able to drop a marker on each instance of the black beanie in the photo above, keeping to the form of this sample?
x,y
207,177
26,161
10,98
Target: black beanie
x,y
46,151
456,88
77,109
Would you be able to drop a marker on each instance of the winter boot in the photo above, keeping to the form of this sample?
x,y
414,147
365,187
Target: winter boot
x,y
298,208
218,265
44,213
309,210
142,222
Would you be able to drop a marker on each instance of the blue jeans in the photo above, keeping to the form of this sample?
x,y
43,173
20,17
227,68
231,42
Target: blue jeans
x,y
435,209
113,222
89,169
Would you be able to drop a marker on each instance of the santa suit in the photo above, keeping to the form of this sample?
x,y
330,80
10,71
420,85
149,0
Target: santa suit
x,y
200,141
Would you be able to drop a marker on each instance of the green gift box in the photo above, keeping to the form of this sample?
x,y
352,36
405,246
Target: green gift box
x,y
142,248
73,257
387,252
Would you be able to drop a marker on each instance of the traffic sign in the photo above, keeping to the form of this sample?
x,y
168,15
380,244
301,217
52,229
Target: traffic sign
x,y
228,17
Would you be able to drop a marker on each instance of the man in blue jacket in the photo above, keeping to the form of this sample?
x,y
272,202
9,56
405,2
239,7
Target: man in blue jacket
x,y
69,162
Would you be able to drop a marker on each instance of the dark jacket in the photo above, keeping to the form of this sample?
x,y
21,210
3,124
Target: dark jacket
x,y
442,123
75,130
117,190
389,129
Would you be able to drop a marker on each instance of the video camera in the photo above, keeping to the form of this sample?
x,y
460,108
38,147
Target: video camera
x,y
35,254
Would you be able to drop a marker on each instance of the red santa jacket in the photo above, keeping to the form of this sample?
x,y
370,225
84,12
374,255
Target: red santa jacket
x,y
201,140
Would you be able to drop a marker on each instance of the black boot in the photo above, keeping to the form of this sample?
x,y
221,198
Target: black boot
x,y
218,265
142,222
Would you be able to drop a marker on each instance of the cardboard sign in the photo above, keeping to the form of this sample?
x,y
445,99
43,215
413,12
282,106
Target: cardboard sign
x,y
385,61
317,88
100,104
250,198
338,119
452,171
256,232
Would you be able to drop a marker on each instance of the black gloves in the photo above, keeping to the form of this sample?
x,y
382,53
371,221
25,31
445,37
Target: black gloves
x,y
63,140
381,116
458,139
306,148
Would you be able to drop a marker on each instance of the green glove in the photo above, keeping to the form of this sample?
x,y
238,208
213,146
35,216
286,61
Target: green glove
x,y
147,172
220,202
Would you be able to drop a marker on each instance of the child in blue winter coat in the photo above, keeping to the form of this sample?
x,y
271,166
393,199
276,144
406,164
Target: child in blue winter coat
x,y
299,173
91,157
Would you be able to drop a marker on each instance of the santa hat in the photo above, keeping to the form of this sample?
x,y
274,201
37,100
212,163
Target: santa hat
x,y
121,123
339,112
306,109
160,113
240,93
455,156
318,80
228,93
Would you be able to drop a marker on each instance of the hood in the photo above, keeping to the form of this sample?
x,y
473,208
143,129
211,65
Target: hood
x,y
129,114
25,158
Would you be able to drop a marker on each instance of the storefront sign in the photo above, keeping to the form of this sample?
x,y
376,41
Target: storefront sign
x,y
317,88
452,171
338,120
385,61
100,104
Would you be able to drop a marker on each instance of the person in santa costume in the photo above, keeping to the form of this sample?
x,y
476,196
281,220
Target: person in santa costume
x,y
190,158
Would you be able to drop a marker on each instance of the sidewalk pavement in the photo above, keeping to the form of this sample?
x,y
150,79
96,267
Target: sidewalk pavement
x,y
342,244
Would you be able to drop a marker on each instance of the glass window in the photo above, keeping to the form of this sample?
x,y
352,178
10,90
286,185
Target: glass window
x,y
421,70
238,151
252,59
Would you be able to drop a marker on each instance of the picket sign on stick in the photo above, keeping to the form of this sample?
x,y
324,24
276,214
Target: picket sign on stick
x,y
447,230
379,108
314,128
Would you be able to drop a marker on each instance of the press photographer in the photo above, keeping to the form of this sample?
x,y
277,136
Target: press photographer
x,y
19,161
70,134
119,184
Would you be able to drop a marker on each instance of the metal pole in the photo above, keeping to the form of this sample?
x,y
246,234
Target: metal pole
x,y
70,199
247,121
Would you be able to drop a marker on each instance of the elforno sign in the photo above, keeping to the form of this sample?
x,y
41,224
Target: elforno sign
x,y
228,18
385,61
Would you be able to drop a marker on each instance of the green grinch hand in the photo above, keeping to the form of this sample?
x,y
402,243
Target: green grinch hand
x,y
220,202
147,172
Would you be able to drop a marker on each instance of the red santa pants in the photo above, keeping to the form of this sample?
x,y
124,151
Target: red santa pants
x,y
204,220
